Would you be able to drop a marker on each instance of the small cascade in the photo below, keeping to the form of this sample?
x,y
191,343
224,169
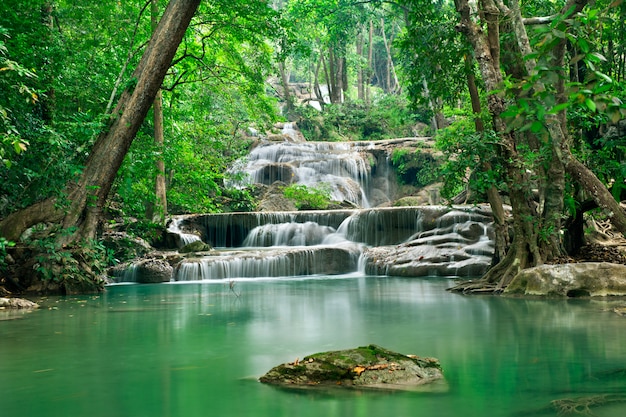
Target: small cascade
x,y
181,238
288,234
298,261
340,166
290,132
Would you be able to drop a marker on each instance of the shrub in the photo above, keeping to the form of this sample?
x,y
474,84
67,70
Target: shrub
x,y
308,198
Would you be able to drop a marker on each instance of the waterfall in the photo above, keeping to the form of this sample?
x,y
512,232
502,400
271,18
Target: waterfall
x,y
182,238
399,241
342,167
406,241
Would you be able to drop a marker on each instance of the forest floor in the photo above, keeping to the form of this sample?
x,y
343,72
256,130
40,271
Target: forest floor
x,y
614,252
604,244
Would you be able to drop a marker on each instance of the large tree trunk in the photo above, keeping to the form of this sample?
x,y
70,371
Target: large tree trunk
x,y
159,210
536,234
87,197
524,250
493,196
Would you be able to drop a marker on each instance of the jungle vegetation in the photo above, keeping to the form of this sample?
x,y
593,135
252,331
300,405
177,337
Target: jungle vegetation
x,y
129,111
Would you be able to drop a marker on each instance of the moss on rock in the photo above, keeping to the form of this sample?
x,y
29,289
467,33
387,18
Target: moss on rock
x,y
365,366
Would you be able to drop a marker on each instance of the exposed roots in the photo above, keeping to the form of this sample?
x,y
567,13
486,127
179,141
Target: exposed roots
x,y
475,287
583,405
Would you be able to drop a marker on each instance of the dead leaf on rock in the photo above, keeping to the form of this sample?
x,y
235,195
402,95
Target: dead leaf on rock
x,y
359,370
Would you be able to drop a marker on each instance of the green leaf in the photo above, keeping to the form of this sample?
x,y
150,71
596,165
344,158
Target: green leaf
x,y
591,105
603,76
536,127
559,107
583,45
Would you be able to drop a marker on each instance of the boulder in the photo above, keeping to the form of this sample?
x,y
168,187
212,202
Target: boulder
x,y
17,303
363,367
197,246
585,279
153,271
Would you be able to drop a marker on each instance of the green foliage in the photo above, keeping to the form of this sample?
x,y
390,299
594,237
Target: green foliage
x,y
418,168
464,152
74,269
4,244
432,54
12,77
308,198
237,200
388,117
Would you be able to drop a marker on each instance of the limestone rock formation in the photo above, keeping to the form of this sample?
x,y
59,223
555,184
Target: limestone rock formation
x,y
585,279
152,271
363,367
453,243
17,303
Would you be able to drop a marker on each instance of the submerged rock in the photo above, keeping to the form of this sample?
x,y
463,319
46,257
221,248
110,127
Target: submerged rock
x,y
585,279
366,366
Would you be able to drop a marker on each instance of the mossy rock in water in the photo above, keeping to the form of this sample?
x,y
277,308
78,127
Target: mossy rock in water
x,y
365,366
195,246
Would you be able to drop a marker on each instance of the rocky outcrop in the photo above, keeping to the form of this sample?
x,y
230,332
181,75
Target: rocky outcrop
x,y
17,303
151,271
363,367
125,246
586,279
455,243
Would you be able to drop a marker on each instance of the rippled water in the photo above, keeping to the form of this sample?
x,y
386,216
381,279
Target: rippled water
x,y
196,349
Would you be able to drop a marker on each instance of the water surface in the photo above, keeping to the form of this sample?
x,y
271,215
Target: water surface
x,y
197,349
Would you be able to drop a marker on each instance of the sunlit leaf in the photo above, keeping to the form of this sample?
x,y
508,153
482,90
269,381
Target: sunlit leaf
x,y
559,107
591,105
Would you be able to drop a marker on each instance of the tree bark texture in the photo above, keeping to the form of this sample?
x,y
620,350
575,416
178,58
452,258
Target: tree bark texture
x,y
524,250
159,211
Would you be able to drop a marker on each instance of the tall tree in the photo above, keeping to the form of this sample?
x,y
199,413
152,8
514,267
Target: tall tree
x,y
159,210
536,227
87,196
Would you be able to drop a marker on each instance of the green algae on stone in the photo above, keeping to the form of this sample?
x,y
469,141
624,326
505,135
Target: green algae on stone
x,y
365,366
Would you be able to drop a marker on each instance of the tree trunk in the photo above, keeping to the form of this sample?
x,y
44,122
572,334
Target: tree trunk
x,y
359,74
493,196
392,77
370,63
524,250
160,207
159,211
284,79
316,83
88,196
533,241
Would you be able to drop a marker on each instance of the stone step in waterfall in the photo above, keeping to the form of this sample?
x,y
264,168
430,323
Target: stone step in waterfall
x,y
402,241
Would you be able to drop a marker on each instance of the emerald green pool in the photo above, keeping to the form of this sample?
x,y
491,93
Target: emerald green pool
x,y
197,349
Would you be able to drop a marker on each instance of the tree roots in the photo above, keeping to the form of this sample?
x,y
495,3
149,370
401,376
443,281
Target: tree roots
x,y
583,405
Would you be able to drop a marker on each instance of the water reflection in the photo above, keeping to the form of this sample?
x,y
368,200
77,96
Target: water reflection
x,y
197,348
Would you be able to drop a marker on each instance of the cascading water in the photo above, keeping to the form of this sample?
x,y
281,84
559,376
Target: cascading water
x,y
402,241
339,166
405,241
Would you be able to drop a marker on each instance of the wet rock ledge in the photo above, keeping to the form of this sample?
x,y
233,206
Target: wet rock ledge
x,y
363,367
